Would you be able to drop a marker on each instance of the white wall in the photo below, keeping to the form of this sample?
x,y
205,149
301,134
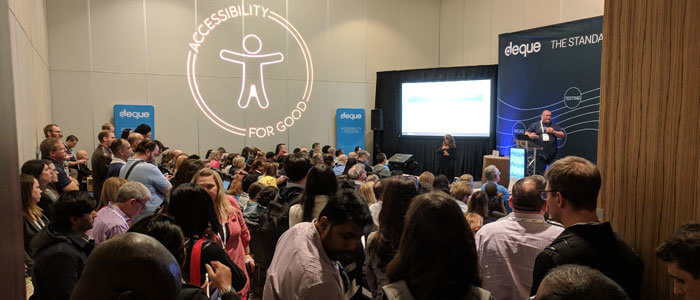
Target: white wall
x,y
106,52
30,71
469,29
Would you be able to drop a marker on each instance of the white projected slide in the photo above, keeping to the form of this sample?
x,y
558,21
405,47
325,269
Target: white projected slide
x,y
460,108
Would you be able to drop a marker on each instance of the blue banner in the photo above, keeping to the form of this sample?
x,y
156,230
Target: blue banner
x,y
555,68
350,128
517,163
131,116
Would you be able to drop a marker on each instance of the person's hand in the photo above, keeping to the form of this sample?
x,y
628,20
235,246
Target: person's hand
x,y
168,176
81,161
534,136
549,130
219,274
281,179
250,262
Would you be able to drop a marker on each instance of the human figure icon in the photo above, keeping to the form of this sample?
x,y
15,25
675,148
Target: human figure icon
x,y
250,90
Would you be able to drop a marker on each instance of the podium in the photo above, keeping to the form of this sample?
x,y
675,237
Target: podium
x,y
524,142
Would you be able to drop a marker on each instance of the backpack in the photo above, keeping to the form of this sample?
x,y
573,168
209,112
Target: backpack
x,y
273,223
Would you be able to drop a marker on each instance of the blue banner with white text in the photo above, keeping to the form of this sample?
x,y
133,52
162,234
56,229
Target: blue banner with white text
x,y
350,128
555,68
131,116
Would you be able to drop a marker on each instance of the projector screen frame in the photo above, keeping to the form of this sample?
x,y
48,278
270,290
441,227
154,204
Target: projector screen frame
x,y
492,125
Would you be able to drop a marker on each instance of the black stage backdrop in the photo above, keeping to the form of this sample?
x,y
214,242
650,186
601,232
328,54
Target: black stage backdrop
x,y
469,152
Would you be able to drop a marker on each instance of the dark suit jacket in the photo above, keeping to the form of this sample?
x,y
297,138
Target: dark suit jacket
x,y
100,164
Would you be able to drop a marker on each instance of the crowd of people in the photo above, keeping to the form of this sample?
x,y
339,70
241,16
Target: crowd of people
x,y
148,222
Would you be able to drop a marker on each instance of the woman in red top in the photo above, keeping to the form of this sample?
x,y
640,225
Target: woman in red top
x,y
234,236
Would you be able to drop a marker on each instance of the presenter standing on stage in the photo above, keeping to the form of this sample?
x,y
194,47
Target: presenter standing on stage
x,y
546,133
446,152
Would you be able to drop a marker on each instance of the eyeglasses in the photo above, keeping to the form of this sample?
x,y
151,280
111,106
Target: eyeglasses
x,y
545,193
143,203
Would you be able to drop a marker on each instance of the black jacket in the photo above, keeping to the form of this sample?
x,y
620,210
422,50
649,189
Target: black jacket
x,y
59,259
595,246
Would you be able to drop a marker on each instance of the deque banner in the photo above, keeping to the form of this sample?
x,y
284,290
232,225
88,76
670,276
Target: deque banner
x,y
555,68
350,128
131,116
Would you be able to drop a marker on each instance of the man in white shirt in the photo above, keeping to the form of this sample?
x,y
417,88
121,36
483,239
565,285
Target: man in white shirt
x,y
305,264
508,247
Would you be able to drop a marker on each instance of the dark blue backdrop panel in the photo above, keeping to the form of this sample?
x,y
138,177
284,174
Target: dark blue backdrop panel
x,y
469,152
555,68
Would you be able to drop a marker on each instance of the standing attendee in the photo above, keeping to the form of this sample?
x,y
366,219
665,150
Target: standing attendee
x,y
446,165
54,150
479,204
34,219
234,235
315,148
572,190
452,271
100,161
134,140
383,244
71,142
140,168
320,186
305,264
108,127
121,150
191,207
144,130
546,134
186,171
60,250
113,219
53,131
42,172
340,165
376,208
680,252
363,157
579,282
493,176
83,171
110,191
508,247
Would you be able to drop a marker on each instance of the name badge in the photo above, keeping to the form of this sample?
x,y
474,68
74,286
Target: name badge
x,y
545,137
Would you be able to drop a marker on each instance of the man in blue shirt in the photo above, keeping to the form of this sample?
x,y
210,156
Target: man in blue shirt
x,y
492,176
340,165
546,134
139,168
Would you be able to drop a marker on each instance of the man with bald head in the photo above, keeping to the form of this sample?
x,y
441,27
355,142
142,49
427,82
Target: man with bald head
x,y
508,247
134,140
129,266
545,133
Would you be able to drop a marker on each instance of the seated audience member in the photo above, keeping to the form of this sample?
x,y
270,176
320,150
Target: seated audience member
x,y
452,271
351,162
372,178
320,186
125,133
186,171
508,247
329,161
61,249
475,221
305,262
572,190
121,150
247,181
493,176
575,282
164,230
134,140
358,175
680,252
110,191
191,207
144,130
363,158
113,219
256,167
358,149
340,165
367,192
467,178
324,149
34,219
315,148
317,159
381,168
280,149
269,177
441,183
234,235
53,150
270,156
101,158
496,208
253,207
375,208
461,191
83,171
383,244
238,163
179,160
235,189
352,155
338,152
426,180
130,266
140,168
41,171
478,204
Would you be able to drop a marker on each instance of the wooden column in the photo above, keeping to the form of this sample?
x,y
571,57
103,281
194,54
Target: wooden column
x,y
649,139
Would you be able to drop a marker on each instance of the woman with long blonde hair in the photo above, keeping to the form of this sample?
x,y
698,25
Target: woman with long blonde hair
x,y
234,235
367,192
110,190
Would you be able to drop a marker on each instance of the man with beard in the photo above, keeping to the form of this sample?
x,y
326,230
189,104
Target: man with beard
x,y
305,264
140,168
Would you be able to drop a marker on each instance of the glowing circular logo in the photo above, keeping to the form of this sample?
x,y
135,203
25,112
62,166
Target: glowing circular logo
x,y
252,89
